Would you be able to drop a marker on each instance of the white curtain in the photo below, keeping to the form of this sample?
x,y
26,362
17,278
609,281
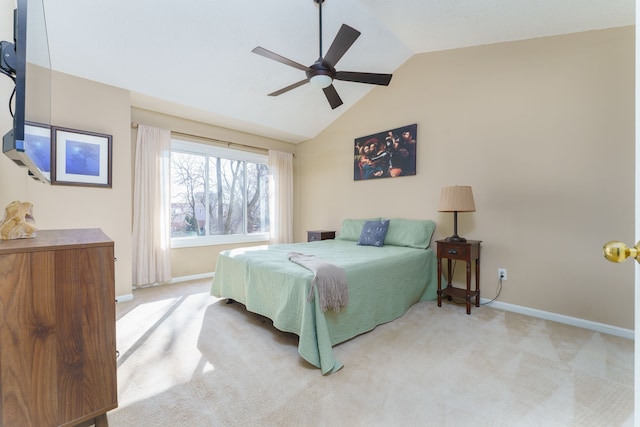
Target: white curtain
x,y
151,207
281,196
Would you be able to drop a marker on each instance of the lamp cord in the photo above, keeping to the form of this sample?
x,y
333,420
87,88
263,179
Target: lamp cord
x,y
497,295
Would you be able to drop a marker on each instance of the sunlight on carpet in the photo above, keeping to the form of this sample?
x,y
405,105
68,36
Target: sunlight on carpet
x,y
187,358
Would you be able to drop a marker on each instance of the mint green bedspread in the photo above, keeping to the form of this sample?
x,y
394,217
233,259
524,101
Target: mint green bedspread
x,y
383,283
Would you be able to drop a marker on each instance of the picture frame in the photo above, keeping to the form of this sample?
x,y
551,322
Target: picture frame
x,y
37,145
80,158
387,154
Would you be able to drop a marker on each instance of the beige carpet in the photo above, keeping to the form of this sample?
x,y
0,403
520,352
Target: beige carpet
x,y
188,359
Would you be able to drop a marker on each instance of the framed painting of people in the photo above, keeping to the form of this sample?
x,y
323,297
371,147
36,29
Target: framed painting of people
x,y
387,154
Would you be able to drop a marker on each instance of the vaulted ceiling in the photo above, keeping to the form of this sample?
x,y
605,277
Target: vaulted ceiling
x,y
193,58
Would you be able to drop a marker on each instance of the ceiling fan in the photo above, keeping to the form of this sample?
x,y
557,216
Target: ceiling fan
x,y
322,72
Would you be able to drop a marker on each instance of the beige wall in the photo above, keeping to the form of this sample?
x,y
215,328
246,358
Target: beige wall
x,y
202,259
543,130
84,105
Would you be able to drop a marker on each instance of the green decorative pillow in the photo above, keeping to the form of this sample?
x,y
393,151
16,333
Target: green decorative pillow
x,y
352,228
410,232
373,233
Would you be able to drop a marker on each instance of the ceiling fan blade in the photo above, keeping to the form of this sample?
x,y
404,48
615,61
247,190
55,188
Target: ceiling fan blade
x,y
369,78
268,54
288,88
332,96
344,39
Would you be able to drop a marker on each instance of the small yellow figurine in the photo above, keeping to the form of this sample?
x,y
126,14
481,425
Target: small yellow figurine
x,y
18,221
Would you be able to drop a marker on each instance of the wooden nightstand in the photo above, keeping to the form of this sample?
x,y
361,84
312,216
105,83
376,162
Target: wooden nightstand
x,y
314,235
468,252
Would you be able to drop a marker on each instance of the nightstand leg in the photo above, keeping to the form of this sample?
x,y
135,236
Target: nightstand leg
x,y
449,276
468,296
477,282
439,292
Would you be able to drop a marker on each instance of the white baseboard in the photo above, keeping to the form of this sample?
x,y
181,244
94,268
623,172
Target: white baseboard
x,y
192,277
561,318
123,298
129,297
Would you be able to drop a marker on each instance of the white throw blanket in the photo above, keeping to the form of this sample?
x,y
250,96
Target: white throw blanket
x,y
329,279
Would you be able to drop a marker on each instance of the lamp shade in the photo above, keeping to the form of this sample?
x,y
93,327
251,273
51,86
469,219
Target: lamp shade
x,y
458,198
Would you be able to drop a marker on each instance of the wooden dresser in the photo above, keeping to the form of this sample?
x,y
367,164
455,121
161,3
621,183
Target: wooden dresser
x,y
57,329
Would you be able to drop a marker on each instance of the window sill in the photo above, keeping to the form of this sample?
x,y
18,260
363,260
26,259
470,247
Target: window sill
x,y
189,242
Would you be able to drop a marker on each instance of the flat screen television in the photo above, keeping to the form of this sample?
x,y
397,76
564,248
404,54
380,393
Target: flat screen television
x,y
26,62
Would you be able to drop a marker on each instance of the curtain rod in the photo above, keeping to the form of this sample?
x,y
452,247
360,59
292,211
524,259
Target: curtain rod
x,y
228,143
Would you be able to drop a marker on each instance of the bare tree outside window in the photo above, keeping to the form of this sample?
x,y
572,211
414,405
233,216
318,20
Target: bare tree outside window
x,y
213,196
257,198
226,214
187,194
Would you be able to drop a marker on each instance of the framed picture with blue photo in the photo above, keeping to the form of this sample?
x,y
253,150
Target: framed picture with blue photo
x,y
387,154
37,145
80,158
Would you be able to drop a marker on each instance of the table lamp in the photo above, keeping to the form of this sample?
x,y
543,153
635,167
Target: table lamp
x,y
456,199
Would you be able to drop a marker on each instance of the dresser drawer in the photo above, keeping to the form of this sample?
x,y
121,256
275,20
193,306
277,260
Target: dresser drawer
x,y
453,251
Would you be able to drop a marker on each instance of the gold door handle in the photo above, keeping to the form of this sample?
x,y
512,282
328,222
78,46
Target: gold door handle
x,y
618,251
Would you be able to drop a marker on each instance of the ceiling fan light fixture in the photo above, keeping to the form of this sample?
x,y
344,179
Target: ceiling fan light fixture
x,y
321,80
322,73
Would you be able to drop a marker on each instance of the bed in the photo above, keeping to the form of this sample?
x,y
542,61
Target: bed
x,y
384,281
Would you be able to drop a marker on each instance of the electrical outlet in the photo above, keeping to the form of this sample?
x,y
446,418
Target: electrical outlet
x,y
502,273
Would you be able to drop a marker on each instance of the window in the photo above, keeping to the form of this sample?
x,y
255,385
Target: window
x,y
218,195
